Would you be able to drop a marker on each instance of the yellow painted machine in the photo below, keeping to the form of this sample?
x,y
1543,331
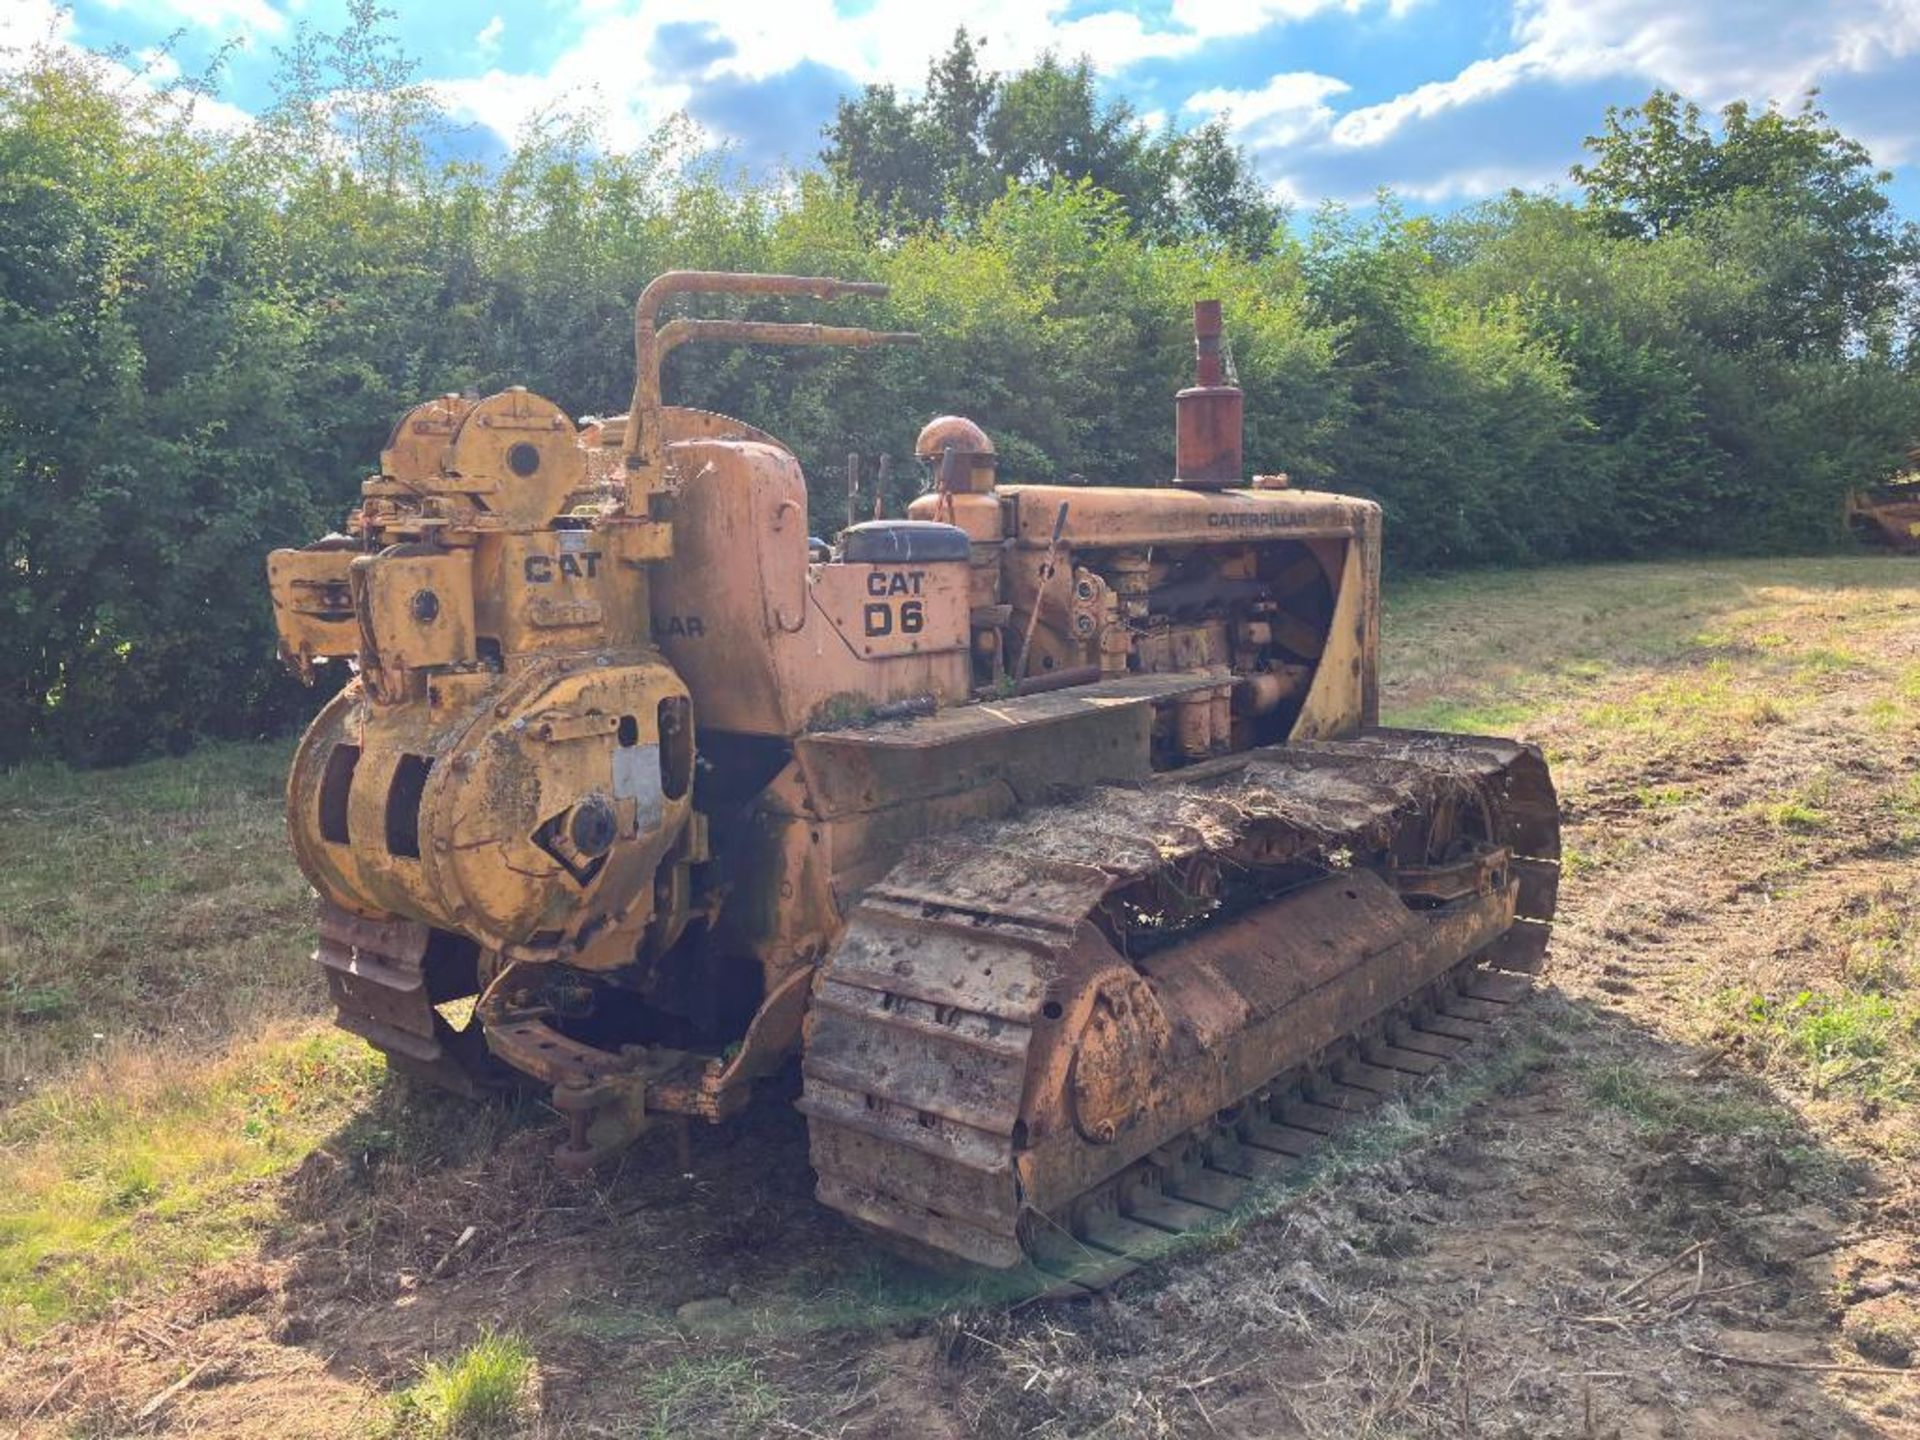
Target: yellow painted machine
x,y
1051,826
1887,515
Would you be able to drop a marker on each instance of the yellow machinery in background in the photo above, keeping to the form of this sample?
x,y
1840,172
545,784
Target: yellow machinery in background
x,y
1051,826
1887,515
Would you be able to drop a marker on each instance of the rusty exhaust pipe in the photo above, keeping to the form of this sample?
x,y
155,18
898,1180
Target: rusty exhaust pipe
x,y
1207,416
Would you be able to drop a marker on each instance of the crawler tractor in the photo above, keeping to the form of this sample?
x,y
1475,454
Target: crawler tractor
x,y
1887,515
1051,827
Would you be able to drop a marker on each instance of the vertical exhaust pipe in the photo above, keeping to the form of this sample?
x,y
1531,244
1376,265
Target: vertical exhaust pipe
x,y
1207,416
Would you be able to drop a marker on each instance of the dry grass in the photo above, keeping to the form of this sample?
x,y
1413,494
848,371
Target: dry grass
x,y
155,904
1632,647
1728,1057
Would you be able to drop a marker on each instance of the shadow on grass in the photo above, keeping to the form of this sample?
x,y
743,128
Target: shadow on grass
x,y
427,1221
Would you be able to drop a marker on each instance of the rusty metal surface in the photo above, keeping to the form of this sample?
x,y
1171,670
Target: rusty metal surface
x,y
386,990
1207,415
1193,1182
1887,515
983,1066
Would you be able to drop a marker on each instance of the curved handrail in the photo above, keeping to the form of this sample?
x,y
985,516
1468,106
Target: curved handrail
x,y
653,342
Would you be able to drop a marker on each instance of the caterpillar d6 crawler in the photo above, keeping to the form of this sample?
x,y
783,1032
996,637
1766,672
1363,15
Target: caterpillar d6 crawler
x,y
1051,827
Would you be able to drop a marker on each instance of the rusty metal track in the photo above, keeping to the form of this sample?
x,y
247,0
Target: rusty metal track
x,y
922,1053
1189,1186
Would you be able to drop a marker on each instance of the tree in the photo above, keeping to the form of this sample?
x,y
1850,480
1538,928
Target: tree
x,y
1788,193
1220,196
881,149
960,102
949,154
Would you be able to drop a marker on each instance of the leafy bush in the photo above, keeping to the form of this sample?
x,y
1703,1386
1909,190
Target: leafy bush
x,y
204,338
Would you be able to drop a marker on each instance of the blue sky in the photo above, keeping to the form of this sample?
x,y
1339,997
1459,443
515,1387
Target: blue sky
x,y
1444,101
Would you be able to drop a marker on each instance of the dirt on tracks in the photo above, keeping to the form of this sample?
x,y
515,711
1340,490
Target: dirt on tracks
x,y
1680,1202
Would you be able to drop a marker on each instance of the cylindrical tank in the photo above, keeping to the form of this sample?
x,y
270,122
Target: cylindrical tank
x,y
1207,416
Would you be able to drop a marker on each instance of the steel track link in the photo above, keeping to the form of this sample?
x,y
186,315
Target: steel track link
x,y
1190,1185
916,1062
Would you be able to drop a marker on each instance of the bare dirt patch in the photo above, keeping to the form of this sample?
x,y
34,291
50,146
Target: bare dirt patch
x,y
1680,1203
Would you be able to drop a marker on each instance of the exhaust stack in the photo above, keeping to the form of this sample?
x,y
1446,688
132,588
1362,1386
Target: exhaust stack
x,y
1207,415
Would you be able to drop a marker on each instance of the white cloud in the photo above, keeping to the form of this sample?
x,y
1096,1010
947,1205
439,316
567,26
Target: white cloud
x,y
1115,39
1221,19
888,41
224,17
1288,109
1372,124
27,23
1712,51
1721,50
489,37
605,76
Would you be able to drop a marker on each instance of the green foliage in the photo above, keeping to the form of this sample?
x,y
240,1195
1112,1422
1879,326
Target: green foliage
x,y
204,338
482,1391
150,353
1694,429
1794,196
973,133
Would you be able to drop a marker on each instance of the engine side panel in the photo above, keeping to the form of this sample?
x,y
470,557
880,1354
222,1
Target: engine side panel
x,y
771,644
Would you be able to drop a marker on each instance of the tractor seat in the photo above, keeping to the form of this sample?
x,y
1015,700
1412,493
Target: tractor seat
x,y
903,542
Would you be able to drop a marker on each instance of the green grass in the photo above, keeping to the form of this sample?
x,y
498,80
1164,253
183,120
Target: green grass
x,y
1662,797
708,1396
1855,1040
157,900
485,1390
143,1170
1882,945
1806,810
1795,815
1466,717
1697,705
1855,1031
1664,1108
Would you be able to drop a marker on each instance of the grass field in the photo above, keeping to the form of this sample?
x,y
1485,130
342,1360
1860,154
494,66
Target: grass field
x,y
206,1183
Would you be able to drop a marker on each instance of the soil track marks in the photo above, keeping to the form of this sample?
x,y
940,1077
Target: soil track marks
x,y
1697,1144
